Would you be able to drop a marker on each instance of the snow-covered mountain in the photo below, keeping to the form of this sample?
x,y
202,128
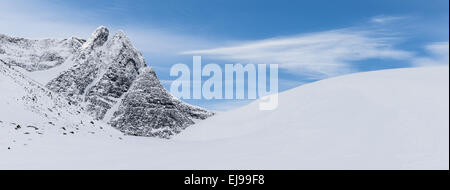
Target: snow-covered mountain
x,y
96,74
390,119
29,111
148,104
35,55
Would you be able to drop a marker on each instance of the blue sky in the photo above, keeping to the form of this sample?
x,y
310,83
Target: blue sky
x,y
310,40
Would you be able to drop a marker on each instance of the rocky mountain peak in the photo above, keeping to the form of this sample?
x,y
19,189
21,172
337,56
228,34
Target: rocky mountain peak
x,y
147,109
97,38
148,74
120,42
121,35
109,78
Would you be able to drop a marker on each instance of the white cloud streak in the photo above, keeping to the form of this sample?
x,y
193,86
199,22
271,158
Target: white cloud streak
x,y
439,55
382,19
42,20
321,54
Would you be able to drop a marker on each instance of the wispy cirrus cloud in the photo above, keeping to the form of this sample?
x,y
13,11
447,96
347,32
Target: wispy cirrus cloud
x,y
46,20
439,55
383,19
320,54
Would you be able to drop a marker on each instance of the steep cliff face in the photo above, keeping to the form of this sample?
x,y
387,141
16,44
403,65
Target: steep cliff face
x,y
105,69
111,79
147,109
105,76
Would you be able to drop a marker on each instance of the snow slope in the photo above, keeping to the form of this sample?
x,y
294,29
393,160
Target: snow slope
x,y
29,111
390,119
37,55
97,74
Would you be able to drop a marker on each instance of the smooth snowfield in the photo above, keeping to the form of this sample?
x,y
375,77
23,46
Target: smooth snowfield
x,y
390,119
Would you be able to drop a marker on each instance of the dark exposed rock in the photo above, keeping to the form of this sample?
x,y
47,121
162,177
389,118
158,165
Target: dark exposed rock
x,y
105,69
113,80
147,109
98,38
35,128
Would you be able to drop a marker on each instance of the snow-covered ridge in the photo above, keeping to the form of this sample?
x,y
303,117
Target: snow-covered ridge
x,y
29,110
96,74
412,97
104,70
390,119
35,55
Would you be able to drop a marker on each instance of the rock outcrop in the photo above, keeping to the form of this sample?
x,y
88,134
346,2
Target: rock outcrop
x,y
109,79
147,109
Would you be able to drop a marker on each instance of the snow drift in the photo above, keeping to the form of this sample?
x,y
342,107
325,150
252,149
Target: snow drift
x,y
390,119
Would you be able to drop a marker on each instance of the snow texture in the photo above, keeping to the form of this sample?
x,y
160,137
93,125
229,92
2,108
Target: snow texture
x,y
35,55
390,119
30,111
71,109
95,74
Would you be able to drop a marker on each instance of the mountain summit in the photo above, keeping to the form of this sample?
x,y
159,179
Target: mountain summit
x,y
98,38
109,78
